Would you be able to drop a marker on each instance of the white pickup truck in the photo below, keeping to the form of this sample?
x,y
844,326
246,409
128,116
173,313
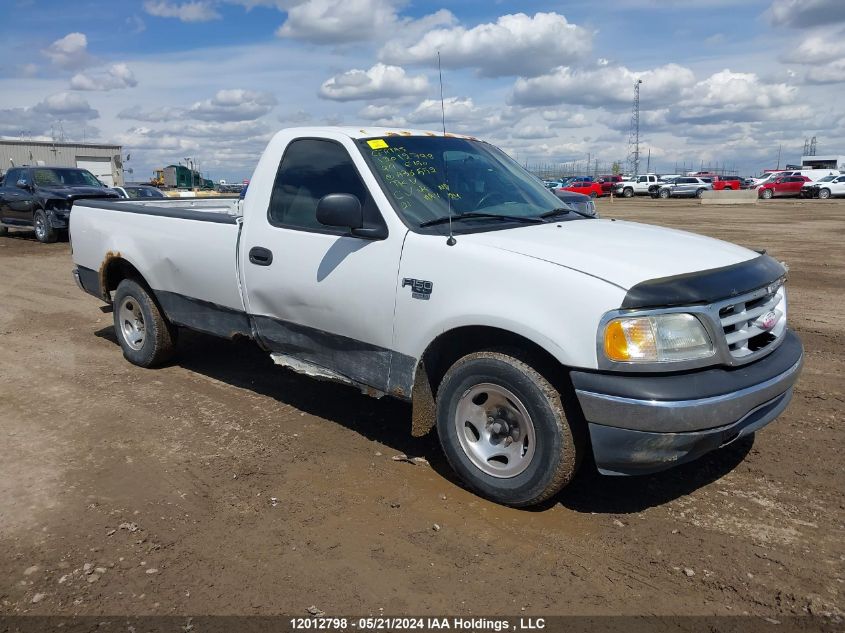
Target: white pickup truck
x,y
435,269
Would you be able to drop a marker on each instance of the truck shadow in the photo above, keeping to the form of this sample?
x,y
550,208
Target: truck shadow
x,y
243,364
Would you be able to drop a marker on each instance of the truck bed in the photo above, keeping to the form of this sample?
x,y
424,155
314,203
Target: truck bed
x,y
188,249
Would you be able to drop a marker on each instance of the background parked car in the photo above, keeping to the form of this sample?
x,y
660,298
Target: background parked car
x,y
782,187
608,182
684,187
830,189
583,185
41,198
720,183
638,185
139,191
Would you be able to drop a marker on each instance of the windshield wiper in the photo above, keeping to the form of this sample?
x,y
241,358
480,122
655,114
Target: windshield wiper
x,y
554,212
471,215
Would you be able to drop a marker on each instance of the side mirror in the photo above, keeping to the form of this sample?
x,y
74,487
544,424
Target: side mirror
x,y
340,209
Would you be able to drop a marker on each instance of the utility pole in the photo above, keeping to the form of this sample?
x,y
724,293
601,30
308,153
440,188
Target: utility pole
x,y
648,162
780,147
634,138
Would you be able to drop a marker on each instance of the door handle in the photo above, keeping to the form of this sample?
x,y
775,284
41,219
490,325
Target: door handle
x,y
260,256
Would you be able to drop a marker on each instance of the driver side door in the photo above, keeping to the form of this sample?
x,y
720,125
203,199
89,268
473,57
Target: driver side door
x,y
17,202
316,293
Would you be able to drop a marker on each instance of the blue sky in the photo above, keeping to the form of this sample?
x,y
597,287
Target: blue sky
x,y
723,81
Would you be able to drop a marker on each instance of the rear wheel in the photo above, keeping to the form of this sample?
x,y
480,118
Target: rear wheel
x,y
824,194
503,429
144,334
699,193
44,231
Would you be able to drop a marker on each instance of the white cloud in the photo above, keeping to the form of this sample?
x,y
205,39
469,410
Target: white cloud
x,y
608,86
378,82
69,52
114,77
232,105
806,13
732,91
66,105
515,44
194,11
334,21
831,73
820,47
458,110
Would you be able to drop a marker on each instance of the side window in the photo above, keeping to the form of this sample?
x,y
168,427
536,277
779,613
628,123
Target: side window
x,y
11,177
642,179
311,169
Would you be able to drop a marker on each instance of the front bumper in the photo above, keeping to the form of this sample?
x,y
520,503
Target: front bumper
x,y
646,423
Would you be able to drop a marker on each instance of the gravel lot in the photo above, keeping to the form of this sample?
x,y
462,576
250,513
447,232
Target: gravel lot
x,y
223,484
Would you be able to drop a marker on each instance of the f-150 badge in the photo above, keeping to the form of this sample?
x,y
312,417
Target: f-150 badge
x,y
420,288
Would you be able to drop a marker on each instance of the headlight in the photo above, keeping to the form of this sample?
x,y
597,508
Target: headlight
x,y
656,339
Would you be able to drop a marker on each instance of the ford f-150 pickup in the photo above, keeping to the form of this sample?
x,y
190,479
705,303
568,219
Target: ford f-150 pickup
x,y
433,268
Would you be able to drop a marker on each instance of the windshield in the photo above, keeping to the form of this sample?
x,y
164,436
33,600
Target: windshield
x,y
827,179
46,177
426,175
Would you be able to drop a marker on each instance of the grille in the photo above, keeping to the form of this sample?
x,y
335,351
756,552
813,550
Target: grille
x,y
754,322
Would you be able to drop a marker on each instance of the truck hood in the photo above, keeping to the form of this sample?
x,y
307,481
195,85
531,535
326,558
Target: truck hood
x,y
77,192
622,253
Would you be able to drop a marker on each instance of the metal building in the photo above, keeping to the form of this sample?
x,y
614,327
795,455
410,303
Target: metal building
x,y
104,161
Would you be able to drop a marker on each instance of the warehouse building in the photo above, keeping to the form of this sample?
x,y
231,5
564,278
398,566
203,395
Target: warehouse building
x,y
104,161
823,162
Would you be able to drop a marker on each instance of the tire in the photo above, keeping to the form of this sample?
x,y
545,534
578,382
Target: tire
x,y
146,337
491,385
3,231
663,193
44,231
699,193
766,194
627,192
824,194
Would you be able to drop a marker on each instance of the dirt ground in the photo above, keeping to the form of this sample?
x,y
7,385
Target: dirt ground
x,y
223,484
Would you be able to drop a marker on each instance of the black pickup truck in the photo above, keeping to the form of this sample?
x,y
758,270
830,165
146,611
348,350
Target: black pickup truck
x,y
41,198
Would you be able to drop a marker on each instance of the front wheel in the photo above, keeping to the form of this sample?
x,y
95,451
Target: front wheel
x,y
44,231
627,192
503,429
146,337
3,231
663,193
766,194
824,194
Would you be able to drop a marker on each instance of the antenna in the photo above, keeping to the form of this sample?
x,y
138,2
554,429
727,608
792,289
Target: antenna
x,y
451,241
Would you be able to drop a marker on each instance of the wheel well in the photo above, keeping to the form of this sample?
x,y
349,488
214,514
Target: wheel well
x,y
450,346
114,270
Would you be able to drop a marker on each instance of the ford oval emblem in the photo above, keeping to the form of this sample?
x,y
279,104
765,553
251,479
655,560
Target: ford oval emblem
x,y
767,321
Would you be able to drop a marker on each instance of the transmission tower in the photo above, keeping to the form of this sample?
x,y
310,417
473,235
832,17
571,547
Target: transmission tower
x,y
634,138
813,146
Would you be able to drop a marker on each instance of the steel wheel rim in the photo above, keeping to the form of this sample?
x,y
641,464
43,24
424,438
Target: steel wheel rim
x,y
495,430
131,322
39,227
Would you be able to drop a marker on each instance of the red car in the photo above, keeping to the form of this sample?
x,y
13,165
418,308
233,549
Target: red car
x,y
608,183
721,183
782,187
586,187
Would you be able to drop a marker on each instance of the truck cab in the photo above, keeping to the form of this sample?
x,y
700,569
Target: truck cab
x,y
637,185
